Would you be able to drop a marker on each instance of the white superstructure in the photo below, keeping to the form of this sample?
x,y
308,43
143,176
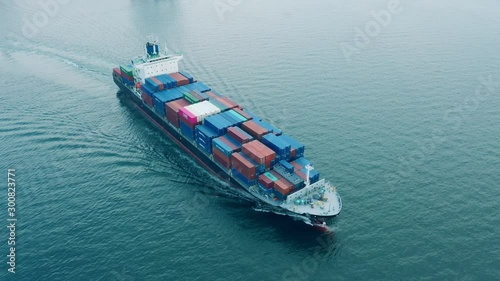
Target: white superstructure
x,y
155,62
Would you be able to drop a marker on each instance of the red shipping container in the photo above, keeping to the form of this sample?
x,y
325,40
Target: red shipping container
x,y
266,182
160,84
211,95
228,102
268,153
181,80
252,152
254,129
243,113
243,166
117,71
221,158
283,186
147,99
237,135
172,109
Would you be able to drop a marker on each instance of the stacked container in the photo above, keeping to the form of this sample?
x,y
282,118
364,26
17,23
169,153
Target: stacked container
x,y
227,102
187,75
258,152
243,168
242,113
281,148
172,109
218,124
160,98
204,136
296,181
282,188
254,129
297,148
195,113
127,71
155,84
269,127
239,135
266,183
147,99
181,80
202,87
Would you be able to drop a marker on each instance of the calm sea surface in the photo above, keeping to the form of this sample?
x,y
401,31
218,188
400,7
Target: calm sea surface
x,y
403,117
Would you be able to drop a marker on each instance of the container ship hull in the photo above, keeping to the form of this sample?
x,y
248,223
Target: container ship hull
x,y
252,156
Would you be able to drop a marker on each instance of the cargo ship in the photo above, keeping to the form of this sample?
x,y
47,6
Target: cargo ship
x,y
230,141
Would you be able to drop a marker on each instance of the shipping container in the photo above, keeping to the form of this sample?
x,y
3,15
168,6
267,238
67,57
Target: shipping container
x,y
239,135
202,87
228,102
223,146
213,94
243,113
220,105
172,109
297,146
181,80
270,127
302,161
266,181
254,129
233,120
127,69
221,158
186,130
281,148
282,188
288,167
187,75
255,117
117,71
148,90
271,176
204,137
238,116
217,123
160,98
243,166
147,99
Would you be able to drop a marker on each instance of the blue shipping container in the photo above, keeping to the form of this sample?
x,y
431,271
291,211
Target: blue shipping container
x,y
288,167
224,148
229,117
186,131
202,87
303,161
299,147
217,123
160,98
281,148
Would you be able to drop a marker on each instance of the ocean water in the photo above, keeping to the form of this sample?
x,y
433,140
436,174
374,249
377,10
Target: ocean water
x,y
403,116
